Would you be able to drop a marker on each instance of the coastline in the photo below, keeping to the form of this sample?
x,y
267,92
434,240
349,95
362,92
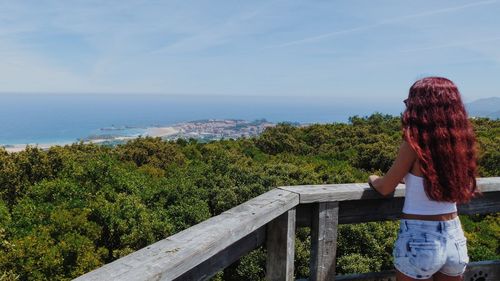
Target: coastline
x,y
21,147
203,130
150,132
161,131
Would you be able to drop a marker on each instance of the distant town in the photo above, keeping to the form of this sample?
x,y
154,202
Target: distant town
x,y
213,129
202,130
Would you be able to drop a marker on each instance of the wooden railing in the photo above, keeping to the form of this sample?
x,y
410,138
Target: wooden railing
x,y
200,251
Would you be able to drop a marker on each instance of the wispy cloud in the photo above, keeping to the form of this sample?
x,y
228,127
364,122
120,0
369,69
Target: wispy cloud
x,y
216,47
33,73
217,34
381,23
440,11
469,42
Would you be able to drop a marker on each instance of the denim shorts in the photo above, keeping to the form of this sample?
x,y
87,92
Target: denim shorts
x,y
424,247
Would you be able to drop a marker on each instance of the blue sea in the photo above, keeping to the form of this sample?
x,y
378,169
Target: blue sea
x,y
60,118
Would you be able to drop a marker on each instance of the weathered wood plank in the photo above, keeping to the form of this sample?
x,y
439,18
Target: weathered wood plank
x,y
171,257
391,209
487,270
490,184
355,211
357,191
226,257
280,245
337,192
325,218
211,242
304,214
370,210
486,204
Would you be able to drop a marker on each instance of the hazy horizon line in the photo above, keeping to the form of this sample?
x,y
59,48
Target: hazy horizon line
x,y
165,94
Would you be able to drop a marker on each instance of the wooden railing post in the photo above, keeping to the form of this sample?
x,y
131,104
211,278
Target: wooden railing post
x,y
325,219
280,244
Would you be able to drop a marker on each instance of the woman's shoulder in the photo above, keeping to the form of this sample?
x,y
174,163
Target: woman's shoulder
x,y
415,168
407,150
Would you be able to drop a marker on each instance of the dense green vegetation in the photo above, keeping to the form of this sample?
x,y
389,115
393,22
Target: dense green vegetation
x,y
68,210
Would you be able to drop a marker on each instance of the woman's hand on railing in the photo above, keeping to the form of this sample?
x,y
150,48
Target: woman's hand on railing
x,y
377,183
371,182
387,184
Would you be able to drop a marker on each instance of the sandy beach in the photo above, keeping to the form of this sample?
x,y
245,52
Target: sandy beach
x,y
161,131
151,132
21,147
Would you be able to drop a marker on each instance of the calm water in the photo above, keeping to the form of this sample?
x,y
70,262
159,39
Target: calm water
x,y
50,118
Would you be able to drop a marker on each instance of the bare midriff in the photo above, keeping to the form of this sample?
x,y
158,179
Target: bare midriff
x,y
440,217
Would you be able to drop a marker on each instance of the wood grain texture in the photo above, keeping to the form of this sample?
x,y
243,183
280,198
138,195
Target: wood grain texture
x,y
337,192
280,245
487,270
391,209
355,211
226,257
361,191
324,233
488,203
169,258
198,252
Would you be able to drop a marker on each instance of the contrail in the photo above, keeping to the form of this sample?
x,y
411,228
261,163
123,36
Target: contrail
x,y
388,21
456,44
440,11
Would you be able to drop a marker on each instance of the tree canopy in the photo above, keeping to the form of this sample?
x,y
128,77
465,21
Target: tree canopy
x,y
71,209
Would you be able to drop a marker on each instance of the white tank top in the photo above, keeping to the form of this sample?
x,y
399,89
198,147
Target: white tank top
x,y
417,202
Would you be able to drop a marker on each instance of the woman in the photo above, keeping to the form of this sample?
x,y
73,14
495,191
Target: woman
x,y
437,159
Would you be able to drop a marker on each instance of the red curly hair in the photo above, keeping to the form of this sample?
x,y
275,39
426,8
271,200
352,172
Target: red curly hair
x,y
436,126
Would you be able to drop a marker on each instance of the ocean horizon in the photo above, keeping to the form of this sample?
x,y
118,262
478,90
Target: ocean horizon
x,y
67,118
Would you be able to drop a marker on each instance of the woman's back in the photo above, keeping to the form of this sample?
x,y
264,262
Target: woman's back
x,y
418,203
437,159
416,200
436,126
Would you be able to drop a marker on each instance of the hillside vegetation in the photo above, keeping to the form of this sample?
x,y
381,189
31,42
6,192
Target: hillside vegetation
x,y
68,210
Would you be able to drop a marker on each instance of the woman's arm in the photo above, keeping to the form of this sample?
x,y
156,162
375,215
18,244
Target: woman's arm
x,y
400,167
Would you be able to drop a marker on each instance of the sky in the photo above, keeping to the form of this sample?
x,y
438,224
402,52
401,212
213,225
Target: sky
x,y
351,49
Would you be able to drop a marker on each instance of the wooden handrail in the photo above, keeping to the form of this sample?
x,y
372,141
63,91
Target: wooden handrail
x,y
200,251
179,255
